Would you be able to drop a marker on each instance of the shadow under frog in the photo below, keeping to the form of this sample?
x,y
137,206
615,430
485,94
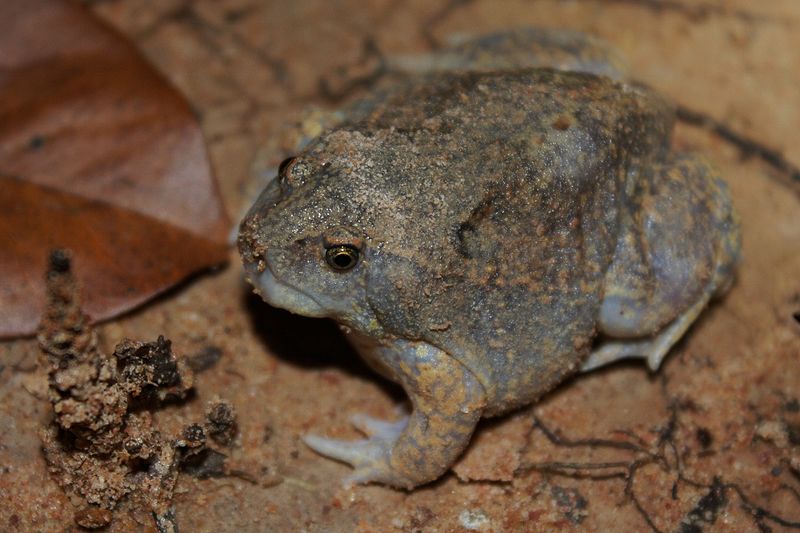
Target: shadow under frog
x,y
476,230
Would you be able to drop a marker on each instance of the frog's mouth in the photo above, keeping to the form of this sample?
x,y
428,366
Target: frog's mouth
x,y
279,293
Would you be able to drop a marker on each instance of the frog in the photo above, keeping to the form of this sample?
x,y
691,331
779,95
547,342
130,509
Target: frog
x,y
481,233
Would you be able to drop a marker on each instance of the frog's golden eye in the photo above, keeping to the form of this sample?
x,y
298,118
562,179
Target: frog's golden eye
x,y
342,257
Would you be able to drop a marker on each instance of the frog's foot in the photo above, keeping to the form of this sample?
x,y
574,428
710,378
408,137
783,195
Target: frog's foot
x,y
369,457
447,402
654,349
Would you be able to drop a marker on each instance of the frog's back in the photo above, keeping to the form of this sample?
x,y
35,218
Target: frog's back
x,y
498,103
533,170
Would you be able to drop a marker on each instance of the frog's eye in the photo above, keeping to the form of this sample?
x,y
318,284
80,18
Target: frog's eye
x,y
342,257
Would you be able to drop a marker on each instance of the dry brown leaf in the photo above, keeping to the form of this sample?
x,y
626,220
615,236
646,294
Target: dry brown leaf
x,y
98,154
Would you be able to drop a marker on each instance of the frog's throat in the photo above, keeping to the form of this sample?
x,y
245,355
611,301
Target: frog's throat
x,y
278,293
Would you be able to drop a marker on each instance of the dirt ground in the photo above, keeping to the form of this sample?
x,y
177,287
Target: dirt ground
x,y
709,443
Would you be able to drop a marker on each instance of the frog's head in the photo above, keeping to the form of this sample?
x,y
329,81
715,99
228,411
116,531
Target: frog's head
x,y
322,234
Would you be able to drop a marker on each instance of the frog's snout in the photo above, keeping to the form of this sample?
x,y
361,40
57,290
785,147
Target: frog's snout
x,y
259,264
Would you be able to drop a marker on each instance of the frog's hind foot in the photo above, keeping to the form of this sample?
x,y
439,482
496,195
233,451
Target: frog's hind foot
x,y
653,349
367,456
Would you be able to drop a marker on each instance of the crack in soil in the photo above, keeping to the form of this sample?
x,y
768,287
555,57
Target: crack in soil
x,y
665,455
748,147
696,12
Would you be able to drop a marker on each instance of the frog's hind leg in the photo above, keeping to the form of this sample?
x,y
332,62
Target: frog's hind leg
x,y
652,350
679,251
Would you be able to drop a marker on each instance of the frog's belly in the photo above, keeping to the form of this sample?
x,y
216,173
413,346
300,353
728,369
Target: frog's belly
x,y
511,378
371,351
523,382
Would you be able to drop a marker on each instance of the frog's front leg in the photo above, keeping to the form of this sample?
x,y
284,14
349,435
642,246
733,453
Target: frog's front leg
x,y
447,403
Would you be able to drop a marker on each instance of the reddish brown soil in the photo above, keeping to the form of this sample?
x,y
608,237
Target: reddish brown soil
x,y
712,441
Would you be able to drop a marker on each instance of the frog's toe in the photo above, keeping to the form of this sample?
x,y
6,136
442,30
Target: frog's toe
x,y
368,457
352,452
377,473
380,429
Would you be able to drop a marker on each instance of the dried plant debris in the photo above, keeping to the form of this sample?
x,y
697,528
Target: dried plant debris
x,y
203,461
221,422
102,445
205,359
